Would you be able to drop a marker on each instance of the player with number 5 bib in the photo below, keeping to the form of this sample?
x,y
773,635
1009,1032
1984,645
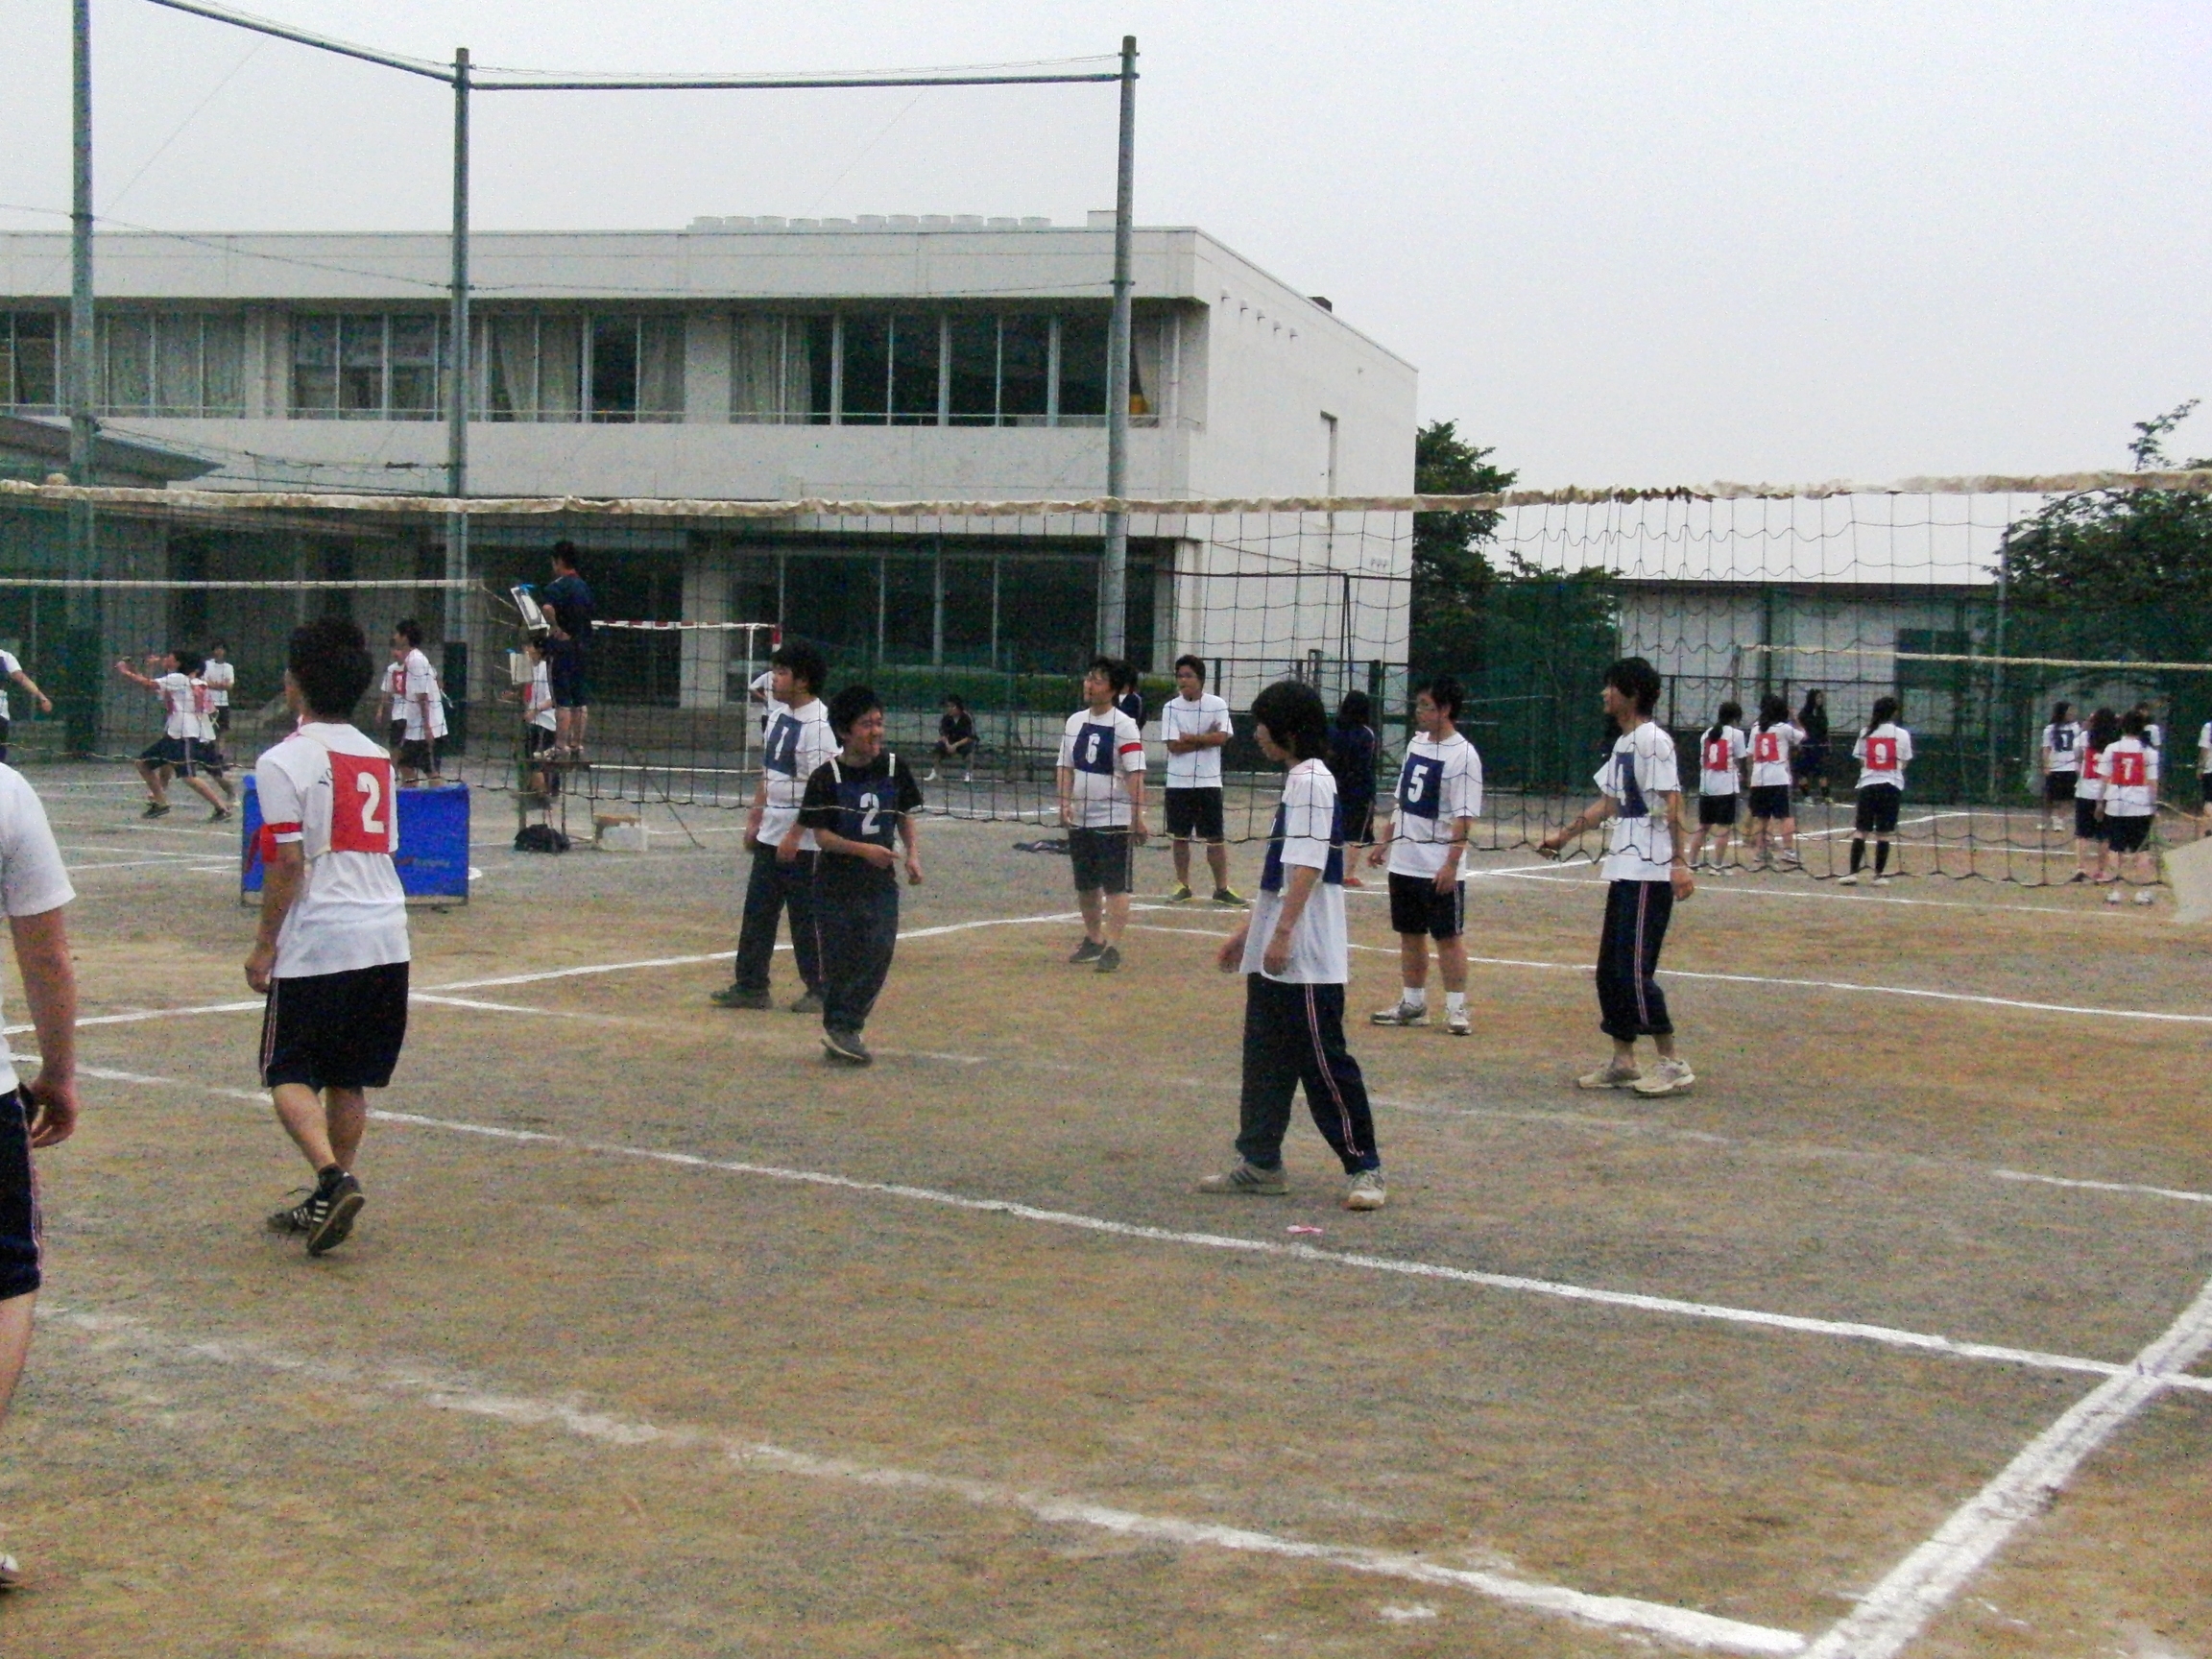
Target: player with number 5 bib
x,y
332,952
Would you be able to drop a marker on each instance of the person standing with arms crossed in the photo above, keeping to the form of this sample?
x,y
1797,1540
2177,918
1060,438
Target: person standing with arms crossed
x,y
332,952
1196,726
1641,793
1439,797
1101,784
34,889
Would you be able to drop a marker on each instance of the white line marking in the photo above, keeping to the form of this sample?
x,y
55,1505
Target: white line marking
x,y
1891,1614
490,1007
1680,1624
2182,1194
1860,898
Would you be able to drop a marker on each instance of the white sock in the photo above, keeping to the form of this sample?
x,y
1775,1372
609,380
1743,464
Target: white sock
x,y
1454,1002
1414,997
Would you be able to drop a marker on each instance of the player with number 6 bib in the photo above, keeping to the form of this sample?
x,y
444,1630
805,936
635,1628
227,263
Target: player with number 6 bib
x,y
332,952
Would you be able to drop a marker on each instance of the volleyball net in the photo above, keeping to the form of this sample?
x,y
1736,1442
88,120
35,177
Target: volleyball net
x,y
1974,602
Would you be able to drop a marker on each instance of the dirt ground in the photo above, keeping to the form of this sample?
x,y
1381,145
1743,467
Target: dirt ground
x,y
659,1337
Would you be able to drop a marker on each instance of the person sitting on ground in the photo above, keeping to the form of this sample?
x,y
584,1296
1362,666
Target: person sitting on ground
x,y
955,740
1439,797
1773,742
1721,756
178,750
1352,751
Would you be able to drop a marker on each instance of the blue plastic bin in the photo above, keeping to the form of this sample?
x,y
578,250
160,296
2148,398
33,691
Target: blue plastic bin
x,y
433,856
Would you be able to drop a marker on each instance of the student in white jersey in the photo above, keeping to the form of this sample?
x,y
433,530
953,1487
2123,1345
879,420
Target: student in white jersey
x,y
1439,797
12,670
220,675
1640,792
2058,754
42,1113
1722,752
2131,772
2204,770
539,725
1101,782
422,705
1195,726
332,951
1883,751
2090,854
181,751
784,851
1295,958
1774,743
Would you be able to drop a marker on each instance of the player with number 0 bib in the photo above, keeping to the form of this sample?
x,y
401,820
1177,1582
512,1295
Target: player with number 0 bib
x,y
332,952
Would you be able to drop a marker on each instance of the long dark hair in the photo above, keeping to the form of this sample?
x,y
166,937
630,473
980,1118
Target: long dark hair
x,y
1773,710
2104,728
1885,709
1723,717
1812,707
2060,712
1356,709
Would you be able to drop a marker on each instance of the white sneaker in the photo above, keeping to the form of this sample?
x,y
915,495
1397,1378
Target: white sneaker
x,y
1881,880
1666,1077
1403,1014
930,776
2113,895
1365,1190
1456,1022
1248,1179
2147,895
1850,880
1610,1075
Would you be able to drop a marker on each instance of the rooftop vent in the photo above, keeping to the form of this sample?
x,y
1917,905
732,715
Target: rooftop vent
x,y
1322,300
1100,219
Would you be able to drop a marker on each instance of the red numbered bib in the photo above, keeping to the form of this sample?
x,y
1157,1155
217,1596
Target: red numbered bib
x,y
2128,771
1766,748
1717,755
362,819
1881,753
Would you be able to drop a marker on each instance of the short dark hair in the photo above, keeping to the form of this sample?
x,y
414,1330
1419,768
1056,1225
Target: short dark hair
x,y
2104,728
849,704
329,661
1356,709
805,662
409,630
958,701
1291,711
1447,693
2135,722
564,553
1636,679
218,645
1105,666
188,660
1196,665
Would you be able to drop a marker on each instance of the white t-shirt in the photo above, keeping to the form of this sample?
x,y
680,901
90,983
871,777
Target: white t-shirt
x,y
330,789
1639,844
2205,748
1181,717
1439,784
204,710
2062,746
2155,735
9,667
2131,770
1883,754
1772,747
396,688
1305,834
32,878
2090,786
219,677
764,686
798,743
538,699
419,681
180,704
1721,761
1101,750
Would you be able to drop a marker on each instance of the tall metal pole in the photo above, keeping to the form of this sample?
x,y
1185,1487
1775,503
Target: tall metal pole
x,y
81,668
456,614
1114,574
1997,668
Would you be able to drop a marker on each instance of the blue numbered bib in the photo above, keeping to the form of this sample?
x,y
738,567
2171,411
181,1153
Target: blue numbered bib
x,y
867,807
1271,871
1094,748
782,754
2062,742
1421,787
1632,804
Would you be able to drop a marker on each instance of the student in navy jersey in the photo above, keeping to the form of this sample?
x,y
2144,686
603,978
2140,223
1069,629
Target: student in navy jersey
x,y
1433,813
857,804
1296,959
570,615
2059,753
1353,751
1127,697
332,952
1640,794
784,850
1101,786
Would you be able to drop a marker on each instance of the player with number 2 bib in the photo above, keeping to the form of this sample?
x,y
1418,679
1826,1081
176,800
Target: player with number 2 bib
x,y
332,952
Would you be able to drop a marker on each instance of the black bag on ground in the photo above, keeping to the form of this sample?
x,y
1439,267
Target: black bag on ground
x,y
539,838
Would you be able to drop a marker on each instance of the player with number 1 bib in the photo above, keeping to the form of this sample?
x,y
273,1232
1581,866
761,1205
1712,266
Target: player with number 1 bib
x,y
332,952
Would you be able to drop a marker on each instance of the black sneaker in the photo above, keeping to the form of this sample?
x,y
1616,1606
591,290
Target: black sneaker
x,y
1109,960
808,1003
845,1048
331,1212
1090,950
294,1216
737,997
154,810
220,815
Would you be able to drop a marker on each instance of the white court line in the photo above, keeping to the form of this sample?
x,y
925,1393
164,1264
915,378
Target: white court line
x,y
1890,1615
1705,886
1681,1624
2129,1187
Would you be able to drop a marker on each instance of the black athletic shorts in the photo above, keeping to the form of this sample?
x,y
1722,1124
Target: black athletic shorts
x,y
1877,813
1102,858
180,753
1769,800
1417,908
1358,819
565,669
4,727
19,1200
420,754
2126,832
1716,811
1195,812
2058,786
395,734
221,719
539,739
335,1030
2203,779
2087,826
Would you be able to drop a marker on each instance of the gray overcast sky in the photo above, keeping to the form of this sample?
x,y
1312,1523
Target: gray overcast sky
x,y
1625,243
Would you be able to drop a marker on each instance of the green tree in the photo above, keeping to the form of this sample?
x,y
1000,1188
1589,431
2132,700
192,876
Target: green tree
x,y
1452,574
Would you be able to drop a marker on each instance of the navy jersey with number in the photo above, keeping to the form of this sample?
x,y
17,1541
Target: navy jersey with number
x,y
1271,871
1630,802
1094,748
859,804
1421,785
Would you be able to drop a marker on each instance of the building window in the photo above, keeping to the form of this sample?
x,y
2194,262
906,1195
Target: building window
x,y
780,370
552,367
31,345
352,367
171,363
